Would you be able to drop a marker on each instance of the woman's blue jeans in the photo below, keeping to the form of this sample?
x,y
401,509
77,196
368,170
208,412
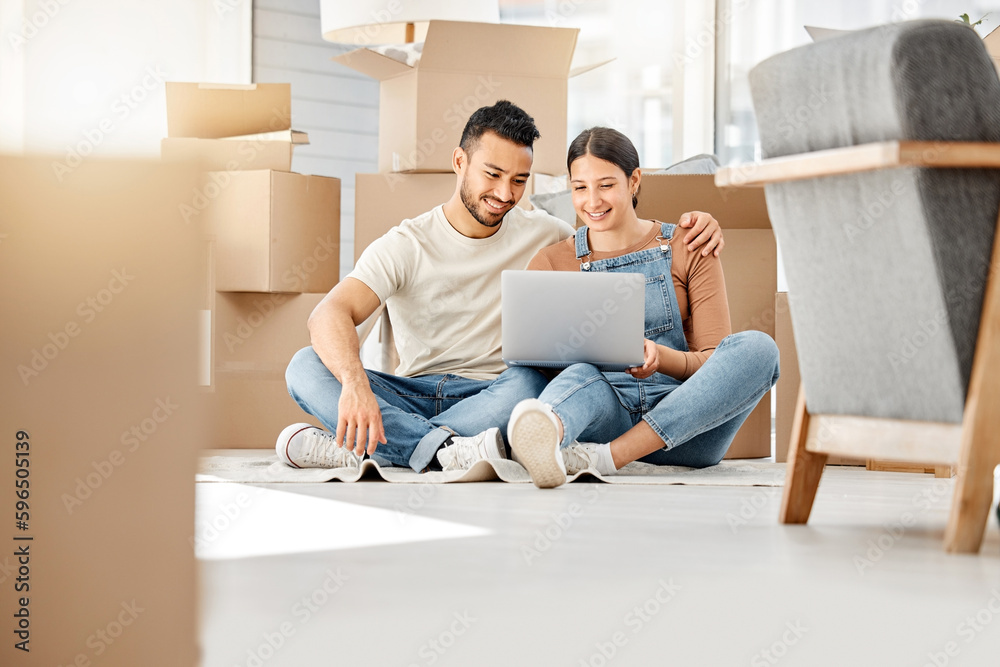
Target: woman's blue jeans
x,y
418,413
697,419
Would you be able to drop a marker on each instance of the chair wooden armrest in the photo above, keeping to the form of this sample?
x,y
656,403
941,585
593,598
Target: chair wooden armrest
x,y
866,157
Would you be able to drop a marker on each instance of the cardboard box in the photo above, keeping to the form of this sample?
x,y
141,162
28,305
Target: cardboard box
x,y
382,201
226,155
248,409
259,332
213,110
100,290
274,231
231,128
992,43
424,108
254,337
749,260
787,387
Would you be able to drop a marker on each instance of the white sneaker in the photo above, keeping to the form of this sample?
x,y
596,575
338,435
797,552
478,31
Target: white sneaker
x,y
464,451
582,456
305,446
534,437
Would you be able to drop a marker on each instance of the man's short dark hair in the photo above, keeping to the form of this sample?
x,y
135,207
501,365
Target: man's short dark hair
x,y
505,119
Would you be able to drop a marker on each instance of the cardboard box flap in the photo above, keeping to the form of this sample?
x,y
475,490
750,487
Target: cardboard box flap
x,y
665,197
576,71
373,64
212,111
992,41
819,34
459,46
294,137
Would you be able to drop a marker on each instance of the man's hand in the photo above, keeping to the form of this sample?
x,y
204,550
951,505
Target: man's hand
x,y
360,420
650,361
705,232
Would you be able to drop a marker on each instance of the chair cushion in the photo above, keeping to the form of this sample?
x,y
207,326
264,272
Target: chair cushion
x,y
886,270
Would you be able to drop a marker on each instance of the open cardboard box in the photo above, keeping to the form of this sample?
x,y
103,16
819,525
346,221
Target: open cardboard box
x,y
274,231
424,108
231,127
749,260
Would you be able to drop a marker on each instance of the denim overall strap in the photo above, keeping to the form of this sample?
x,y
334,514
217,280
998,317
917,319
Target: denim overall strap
x,y
667,230
583,248
663,316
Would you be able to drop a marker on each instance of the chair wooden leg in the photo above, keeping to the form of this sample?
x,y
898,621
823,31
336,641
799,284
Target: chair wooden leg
x,y
978,456
980,448
804,469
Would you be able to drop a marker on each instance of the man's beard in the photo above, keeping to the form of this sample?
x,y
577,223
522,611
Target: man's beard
x,y
472,205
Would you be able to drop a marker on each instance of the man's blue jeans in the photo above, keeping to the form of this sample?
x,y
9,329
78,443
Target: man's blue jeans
x,y
418,413
697,419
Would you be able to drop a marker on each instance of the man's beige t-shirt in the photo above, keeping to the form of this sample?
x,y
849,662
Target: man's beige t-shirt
x,y
442,289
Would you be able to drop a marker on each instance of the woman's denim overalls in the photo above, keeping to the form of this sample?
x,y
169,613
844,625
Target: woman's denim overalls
x,y
696,418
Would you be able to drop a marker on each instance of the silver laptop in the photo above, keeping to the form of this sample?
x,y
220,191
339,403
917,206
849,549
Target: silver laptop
x,y
553,319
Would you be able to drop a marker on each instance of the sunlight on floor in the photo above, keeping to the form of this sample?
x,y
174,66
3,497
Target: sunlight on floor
x,y
240,521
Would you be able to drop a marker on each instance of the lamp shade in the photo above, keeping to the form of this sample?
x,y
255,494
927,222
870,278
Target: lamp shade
x,y
366,22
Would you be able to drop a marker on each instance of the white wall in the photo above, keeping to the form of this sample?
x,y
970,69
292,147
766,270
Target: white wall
x,y
86,76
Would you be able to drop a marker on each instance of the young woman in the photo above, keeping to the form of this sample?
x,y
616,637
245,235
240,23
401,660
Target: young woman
x,y
698,382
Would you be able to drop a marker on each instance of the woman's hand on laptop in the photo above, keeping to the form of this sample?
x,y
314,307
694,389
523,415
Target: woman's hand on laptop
x,y
650,362
359,420
706,233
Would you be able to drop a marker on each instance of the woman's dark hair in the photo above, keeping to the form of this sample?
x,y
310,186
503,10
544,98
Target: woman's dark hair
x,y
606,144
505,119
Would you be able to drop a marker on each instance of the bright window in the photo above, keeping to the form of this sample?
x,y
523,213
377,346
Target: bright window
x,y
752,30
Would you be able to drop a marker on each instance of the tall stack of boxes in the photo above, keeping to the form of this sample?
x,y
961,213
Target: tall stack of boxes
x,y
274,239
424,107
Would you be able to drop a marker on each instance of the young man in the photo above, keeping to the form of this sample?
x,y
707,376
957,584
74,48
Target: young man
x,y
439,278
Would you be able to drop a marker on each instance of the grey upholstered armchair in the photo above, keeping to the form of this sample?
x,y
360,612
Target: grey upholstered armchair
x,y
875,144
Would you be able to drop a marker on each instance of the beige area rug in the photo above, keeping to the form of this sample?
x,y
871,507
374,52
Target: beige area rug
x,y
258,465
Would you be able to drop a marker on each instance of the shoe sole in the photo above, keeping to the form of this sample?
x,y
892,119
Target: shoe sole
x,y
535,441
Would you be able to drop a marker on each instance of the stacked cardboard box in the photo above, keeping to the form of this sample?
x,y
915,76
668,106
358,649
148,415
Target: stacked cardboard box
x,y
275,231
424,107
275,248
750,262
253,338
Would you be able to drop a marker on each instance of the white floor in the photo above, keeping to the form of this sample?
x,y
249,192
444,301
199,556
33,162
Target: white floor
x,y
591,575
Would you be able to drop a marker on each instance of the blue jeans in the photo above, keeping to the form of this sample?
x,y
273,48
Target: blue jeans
x,y
697,419
418,413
